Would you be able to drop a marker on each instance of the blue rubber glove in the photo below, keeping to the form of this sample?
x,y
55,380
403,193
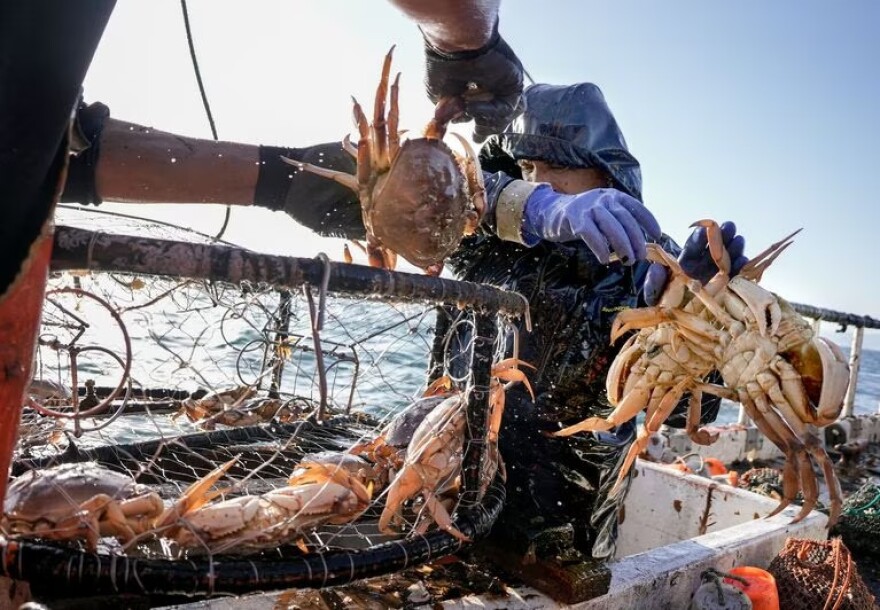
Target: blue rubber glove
x,y
607,220
696,260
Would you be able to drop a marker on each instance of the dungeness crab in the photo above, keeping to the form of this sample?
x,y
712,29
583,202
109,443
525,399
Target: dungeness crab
x,y
789,380
78,501
418,198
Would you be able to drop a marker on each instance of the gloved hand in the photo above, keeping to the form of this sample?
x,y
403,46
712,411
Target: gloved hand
x,y
696,260
494,69
318,203
607,220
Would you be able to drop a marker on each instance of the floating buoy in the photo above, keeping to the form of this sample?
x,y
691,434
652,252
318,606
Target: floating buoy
x,y
760,586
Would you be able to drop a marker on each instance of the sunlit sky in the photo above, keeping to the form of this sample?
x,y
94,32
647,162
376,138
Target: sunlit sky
x,y
765,113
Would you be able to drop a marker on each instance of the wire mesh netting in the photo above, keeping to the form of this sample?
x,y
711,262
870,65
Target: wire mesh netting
x,y
308,422
813,574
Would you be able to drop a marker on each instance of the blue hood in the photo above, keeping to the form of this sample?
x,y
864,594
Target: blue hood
x,y
571,126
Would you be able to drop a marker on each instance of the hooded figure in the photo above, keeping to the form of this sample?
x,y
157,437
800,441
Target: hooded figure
x,y
558,484
570,127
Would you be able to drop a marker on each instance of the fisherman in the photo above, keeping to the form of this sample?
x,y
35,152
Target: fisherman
x,y
546,244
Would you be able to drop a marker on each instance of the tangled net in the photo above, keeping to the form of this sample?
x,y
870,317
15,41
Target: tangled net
x,y
192,381
819,574
860,524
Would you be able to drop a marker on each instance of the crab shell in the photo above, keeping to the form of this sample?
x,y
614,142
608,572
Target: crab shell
x,y
57,493
420,207
401,429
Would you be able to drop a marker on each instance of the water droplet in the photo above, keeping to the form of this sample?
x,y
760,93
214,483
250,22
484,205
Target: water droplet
x,y
173,160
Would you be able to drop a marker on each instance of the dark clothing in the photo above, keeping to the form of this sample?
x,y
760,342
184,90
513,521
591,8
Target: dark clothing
x,y
571,126
45,50
573,300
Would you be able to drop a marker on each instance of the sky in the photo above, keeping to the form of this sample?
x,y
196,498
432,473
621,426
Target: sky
x,y
767,114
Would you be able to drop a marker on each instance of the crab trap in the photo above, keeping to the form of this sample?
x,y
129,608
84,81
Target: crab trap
x,y
206,420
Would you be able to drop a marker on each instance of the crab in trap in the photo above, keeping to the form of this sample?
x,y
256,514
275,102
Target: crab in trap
x,y
325,488
81,501
418,198
789,380
432,463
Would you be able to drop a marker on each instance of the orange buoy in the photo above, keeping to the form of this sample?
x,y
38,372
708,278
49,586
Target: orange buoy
x,y
714,466
760,586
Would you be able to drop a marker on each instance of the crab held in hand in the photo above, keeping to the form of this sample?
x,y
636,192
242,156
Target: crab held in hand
x,y
789,381
418,198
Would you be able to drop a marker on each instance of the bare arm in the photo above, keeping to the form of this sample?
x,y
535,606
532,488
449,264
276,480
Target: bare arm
x,y
142,165
453,25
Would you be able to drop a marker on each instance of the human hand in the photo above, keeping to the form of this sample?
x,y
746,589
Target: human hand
x,y
607,220
696,260
490,80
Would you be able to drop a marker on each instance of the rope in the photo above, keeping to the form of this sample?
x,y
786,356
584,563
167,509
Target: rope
x,y
860,510
205,103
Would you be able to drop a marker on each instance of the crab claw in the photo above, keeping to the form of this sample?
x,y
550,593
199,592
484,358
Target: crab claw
x,y
716,244
196,495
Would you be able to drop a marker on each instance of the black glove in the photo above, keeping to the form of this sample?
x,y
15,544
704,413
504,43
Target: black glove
x,y
322,205
494,69
85,148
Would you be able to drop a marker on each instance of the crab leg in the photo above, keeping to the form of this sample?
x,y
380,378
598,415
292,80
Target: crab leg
x,y
348,147
393,119
697,434
652,424
815,449
346,180
364,151
635,319
790,484
716,244
195,495
474,174
381,161
805,474
755,268
441,516
628,408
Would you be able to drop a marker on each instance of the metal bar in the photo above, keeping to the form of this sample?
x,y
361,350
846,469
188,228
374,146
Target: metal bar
x,y
282,333
839,317
438,347
82,249
319,353
855,357
485,330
